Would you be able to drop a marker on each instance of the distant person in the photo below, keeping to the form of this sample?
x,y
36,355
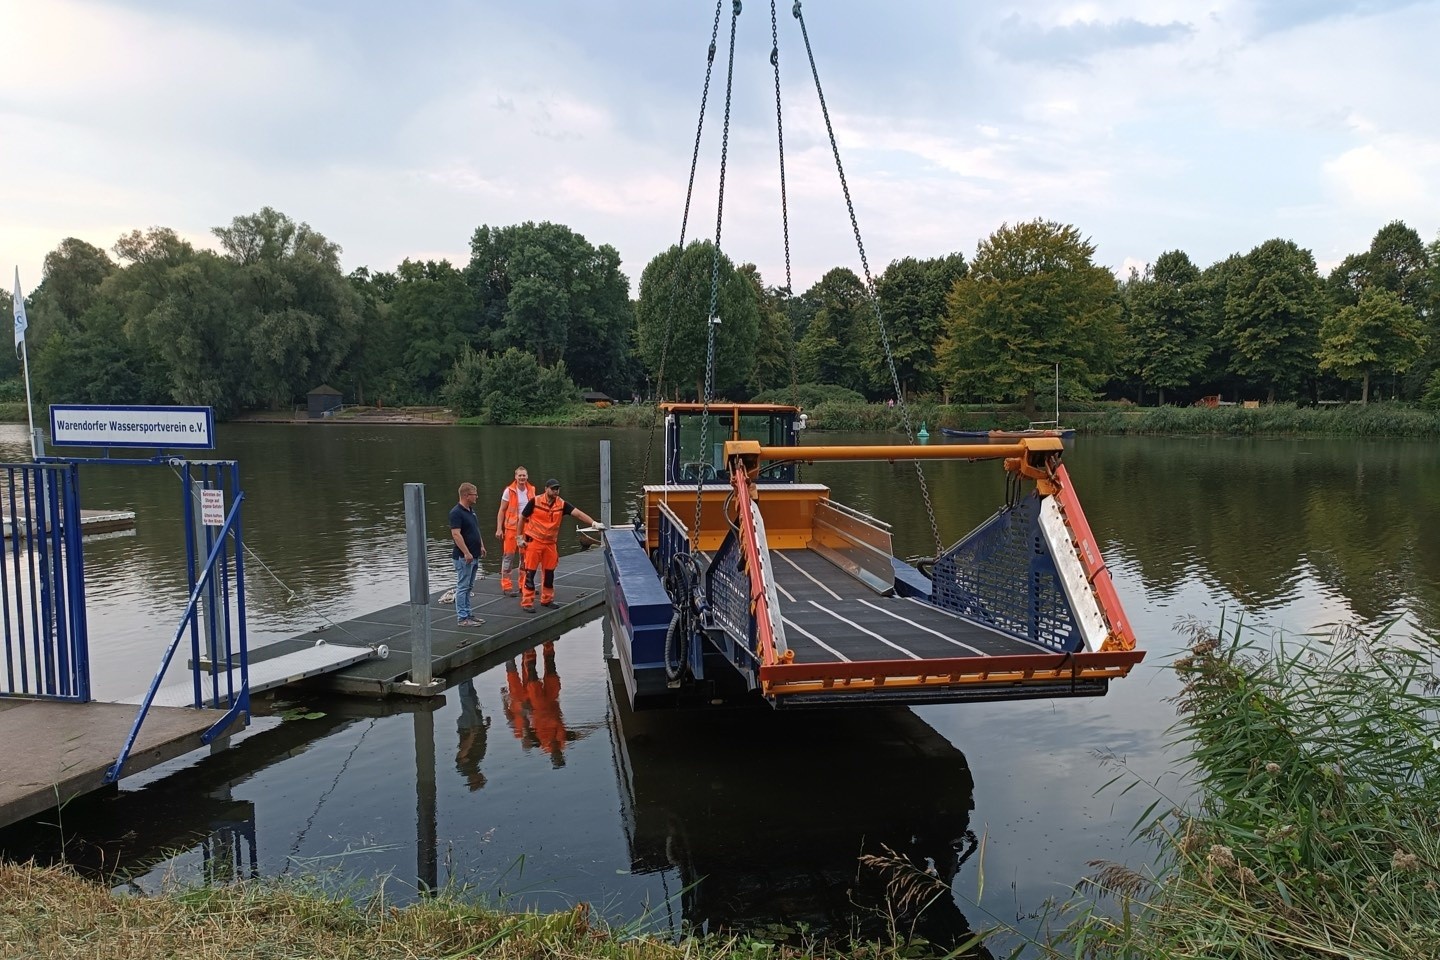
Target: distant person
x,y
474,733
539,533
469,548
507,525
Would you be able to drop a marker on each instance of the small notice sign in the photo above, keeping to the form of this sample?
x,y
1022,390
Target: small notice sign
x,y
212,508
87,425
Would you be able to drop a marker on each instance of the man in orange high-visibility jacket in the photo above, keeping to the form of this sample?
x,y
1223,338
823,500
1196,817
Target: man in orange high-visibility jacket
x,y
539,532
507,526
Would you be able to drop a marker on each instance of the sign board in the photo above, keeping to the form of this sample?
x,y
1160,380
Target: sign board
x,y
89,425
212,508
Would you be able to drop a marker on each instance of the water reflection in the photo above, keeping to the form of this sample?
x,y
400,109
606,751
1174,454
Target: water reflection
x,y
793,822
531,703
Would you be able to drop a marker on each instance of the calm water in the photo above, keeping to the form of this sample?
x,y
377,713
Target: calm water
x,y
756,820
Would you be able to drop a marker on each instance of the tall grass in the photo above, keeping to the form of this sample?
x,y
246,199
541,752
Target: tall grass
x,y
1314,829
1276,419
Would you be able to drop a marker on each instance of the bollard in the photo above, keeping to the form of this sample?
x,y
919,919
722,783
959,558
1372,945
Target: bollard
x,y
605,483
421,680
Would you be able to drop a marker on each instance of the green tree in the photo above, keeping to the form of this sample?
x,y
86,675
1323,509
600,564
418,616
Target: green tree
x,y
433,313
9,359
138,289
74,272
674,305
200,332
544,288
300,313
1380,333
830,351
1166,313
95,362
774,351
912,301
507,388
1033,298
1273,308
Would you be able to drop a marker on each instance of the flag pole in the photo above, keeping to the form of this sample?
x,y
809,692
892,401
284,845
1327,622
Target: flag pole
x,y
21,323
29,409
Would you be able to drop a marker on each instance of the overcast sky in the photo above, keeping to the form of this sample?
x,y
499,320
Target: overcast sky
x,y
397,129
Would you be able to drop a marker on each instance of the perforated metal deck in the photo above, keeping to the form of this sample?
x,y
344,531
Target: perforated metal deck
x,y
831,617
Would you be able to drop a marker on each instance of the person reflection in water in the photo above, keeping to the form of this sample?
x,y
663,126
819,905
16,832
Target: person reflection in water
x,y
531,704
474,731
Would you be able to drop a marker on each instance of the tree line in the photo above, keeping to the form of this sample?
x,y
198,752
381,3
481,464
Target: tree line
x,y
538,311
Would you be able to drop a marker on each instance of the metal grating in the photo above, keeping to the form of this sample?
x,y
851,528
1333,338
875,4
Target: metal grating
x,y
1002,575
729,593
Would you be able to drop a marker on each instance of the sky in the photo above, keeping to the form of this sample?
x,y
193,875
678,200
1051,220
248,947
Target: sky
x,y
398,129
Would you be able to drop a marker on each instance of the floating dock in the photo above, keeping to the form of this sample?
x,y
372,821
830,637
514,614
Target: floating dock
x,y
57,751
579,589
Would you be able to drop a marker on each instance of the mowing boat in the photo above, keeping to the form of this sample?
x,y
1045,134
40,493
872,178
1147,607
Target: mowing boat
x,y
1064,433
782,593
736,580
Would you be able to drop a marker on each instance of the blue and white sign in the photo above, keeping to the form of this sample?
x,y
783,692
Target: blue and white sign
x,y
86,425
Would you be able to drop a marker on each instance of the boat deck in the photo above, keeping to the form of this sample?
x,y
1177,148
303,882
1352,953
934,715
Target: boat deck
x,y
831,617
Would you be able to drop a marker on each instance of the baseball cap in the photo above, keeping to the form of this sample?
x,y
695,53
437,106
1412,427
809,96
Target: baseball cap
x,y
552,483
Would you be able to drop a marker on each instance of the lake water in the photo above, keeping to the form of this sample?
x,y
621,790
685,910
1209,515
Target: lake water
x,y
752,820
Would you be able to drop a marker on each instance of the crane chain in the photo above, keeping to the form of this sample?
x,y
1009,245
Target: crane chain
x,y
713,318
784,204
684,226
869,280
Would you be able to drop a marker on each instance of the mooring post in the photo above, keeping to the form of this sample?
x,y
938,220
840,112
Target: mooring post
x,y
605,483
421,680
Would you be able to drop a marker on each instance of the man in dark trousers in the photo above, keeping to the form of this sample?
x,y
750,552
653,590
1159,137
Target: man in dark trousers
x,y
539,534
469,548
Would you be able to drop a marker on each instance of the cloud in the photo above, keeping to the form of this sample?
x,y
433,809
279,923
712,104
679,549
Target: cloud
x,y
1074,43
1275,16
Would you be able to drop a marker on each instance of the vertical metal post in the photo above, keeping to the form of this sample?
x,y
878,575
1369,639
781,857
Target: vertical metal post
x,y
605,482
416,557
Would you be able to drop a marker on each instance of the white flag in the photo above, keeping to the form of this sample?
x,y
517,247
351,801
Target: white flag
x,y
20,322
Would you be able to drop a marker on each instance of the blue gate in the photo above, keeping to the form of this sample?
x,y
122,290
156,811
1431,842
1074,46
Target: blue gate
x,y
42,584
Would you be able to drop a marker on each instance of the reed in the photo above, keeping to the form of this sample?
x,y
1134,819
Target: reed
x,y
1314,825
1379,420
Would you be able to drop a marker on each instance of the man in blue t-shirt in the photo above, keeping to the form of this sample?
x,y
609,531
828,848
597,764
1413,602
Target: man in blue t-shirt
x,y
469,548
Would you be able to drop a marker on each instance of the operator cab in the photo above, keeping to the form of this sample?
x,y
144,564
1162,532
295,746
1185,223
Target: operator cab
x,y
686,462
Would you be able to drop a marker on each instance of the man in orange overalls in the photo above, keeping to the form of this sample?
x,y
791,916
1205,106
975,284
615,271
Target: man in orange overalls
x,y
539,533
507,526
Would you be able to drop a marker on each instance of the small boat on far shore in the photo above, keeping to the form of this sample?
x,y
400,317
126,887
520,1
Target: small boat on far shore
x,y
1064,433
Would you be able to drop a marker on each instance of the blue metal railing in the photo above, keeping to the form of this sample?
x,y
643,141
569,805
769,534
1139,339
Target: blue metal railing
x,y
1002,575
42,584
218,589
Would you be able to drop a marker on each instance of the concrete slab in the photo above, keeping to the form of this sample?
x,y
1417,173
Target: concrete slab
x,y
55,751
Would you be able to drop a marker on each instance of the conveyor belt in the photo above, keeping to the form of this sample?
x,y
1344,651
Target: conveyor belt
x,y
831,617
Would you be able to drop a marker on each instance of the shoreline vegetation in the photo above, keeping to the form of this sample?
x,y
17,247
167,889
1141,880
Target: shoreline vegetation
x,y
1380,420
1304,826
1374,420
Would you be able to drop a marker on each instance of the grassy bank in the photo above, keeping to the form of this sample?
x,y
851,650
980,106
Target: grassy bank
x,y
1314,830
51,912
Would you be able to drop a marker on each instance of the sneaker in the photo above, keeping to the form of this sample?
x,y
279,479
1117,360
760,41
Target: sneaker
x,y
469,622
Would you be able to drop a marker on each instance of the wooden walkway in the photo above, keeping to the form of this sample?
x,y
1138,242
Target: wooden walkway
x,y
56,751
579,589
